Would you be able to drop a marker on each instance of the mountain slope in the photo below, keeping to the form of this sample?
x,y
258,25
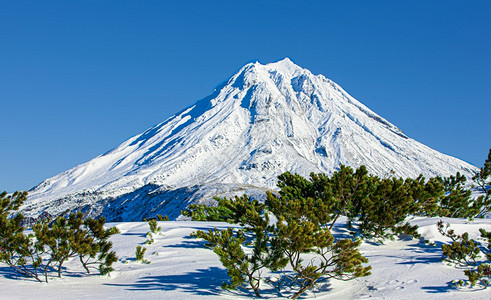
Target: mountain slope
x,y
265,120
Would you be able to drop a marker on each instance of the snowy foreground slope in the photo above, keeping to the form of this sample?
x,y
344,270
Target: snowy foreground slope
x,y
181,268
263,121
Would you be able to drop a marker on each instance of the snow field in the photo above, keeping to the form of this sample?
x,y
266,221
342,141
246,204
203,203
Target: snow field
x,y
182,268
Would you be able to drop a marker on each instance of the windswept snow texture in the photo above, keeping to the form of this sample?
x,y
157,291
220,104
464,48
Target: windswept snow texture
x,y
265,120
183,268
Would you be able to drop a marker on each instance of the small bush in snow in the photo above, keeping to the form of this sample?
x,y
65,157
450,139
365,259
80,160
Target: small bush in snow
x,y
466,253
139,253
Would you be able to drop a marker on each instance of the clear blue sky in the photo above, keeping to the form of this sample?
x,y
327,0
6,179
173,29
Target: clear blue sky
x,y
77,78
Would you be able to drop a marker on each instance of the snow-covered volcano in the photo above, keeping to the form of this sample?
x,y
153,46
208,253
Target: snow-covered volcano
x,y
265,120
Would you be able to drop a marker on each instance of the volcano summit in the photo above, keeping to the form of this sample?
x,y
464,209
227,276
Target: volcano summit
x,y
263,121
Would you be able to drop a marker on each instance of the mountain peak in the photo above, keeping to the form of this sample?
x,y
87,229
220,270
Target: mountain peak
x,y
285,66
255,72
285,62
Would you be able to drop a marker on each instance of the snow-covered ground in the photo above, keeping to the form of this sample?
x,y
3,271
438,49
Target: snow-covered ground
x,y
182,268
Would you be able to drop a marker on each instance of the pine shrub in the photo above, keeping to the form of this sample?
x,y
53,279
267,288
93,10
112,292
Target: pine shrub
x,y
283,243
457,201
462,251
244,269
302,236
162,218
50,245
376,208
140,253
154,228
201,212
466,253
483,181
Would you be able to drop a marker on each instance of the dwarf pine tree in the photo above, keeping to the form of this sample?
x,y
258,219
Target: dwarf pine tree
x,y
56,238
298,228
52,244
95,246
426,195
162,218
462,251
17,249
482,275
154,227
302,235
349,189
375,208
457,201
74,237
483,181
202,212
341,193
386,209
140,253
10,228
486,236
465,253
244,268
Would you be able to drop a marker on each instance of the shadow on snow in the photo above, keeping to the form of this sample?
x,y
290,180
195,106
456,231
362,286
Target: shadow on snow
x,y
199,282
